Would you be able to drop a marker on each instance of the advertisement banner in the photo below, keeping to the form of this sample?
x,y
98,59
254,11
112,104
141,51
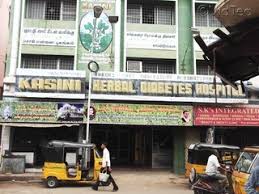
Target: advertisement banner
x,y
95,34
226,116
41,112
153,87
143,114
49,37
151,40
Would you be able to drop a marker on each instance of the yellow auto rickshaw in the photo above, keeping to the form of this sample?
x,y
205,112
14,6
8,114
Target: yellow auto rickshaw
x,y
248,160
199,153
67,161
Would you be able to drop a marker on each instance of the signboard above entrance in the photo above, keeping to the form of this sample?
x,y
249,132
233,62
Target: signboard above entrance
x,y
154,87
48,84
226,116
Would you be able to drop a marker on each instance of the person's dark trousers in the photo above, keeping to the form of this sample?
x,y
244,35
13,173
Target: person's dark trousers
x,y
115,186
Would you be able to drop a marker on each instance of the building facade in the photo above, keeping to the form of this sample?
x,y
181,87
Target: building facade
x,y
151,80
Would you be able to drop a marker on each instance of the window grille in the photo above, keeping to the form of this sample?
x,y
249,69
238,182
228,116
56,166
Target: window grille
x,y
47,62
204,15
165,15
66,63
69,10
51,9
202,68
146,14
35,9
134,13
157,66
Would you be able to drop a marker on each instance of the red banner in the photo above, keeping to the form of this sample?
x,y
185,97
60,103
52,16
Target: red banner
x,y
226,116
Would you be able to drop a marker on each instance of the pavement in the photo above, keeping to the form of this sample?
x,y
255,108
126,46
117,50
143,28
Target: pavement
x,y
129,181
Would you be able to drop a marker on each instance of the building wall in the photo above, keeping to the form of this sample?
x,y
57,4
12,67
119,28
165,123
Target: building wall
x,y
4,15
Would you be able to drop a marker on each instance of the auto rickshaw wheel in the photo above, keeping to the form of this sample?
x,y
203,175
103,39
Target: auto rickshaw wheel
x,y
52,182
192,176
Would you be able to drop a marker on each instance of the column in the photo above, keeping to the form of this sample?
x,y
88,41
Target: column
x,y
15,36
123,32
179,151
185,38
5,140
117,37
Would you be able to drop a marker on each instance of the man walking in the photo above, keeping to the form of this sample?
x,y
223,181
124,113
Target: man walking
x,y
253,182
106,166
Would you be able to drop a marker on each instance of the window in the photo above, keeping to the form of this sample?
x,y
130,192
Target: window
x,y
204,15
151,14
245,161
202,68
51,9
152,66
134,12
47,62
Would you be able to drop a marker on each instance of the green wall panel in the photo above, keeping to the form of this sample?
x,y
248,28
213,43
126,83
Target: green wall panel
x,y
151,53
179,151
47,50
49,24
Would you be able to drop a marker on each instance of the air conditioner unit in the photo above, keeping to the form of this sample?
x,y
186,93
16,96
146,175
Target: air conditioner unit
x,y
134,66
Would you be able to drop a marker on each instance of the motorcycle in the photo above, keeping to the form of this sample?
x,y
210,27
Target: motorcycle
x,y
206,184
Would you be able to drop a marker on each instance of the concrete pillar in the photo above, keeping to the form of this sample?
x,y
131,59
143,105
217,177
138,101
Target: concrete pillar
x,y
192,136
5,141
116,37
179,151
185,38
123,32
15,36
81,131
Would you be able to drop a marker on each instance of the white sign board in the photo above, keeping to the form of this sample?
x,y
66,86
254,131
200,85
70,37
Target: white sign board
x,y
49,37
151,40
208,39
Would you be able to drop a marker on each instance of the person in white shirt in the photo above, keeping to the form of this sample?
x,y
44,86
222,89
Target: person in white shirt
x,y
106,166
212,169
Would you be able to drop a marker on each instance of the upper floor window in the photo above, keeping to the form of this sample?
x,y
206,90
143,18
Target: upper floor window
x,y
47,62
151,66
204,15
51,9
151,14
202,68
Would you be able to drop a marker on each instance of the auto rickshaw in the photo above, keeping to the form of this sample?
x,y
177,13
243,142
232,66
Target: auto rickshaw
x,y
199,153
57,169
248,160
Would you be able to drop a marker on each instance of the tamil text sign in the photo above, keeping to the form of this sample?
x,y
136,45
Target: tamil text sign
x,y
151,40
49,37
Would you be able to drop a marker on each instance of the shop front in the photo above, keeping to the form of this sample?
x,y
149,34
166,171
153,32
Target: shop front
x,y
45,105
232,124
154,114
28,126
140,135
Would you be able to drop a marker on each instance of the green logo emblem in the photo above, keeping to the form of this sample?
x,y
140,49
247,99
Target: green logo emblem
x,y
95,34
